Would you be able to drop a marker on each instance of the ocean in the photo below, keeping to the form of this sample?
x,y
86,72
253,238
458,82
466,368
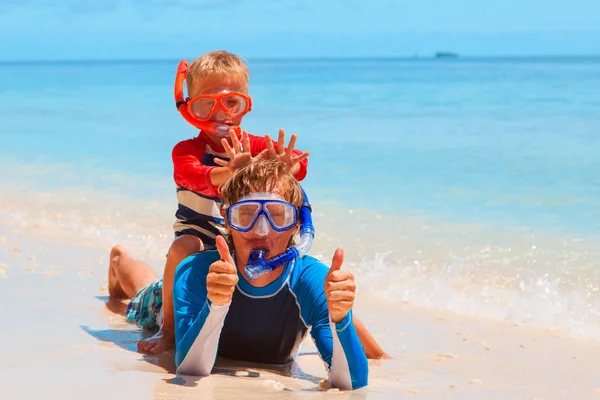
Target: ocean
x,y
468,185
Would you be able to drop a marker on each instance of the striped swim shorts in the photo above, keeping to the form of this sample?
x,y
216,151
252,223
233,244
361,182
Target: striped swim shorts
x,y
145,309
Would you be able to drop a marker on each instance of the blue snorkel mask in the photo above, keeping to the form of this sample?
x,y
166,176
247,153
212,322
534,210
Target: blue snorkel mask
x,y
277,215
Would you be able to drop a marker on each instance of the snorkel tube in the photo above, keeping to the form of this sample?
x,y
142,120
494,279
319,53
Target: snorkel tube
x,y
221,130
258,266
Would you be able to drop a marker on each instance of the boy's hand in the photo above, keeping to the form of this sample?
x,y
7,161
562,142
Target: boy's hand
x,y
238,153
339,288
222,276
287,156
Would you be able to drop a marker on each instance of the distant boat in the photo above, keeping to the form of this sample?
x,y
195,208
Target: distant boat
x,y
445,54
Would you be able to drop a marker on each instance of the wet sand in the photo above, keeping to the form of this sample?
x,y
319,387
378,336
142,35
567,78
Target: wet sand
x,y
63,338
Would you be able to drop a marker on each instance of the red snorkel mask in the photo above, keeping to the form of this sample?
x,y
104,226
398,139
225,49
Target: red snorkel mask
x,y
201,110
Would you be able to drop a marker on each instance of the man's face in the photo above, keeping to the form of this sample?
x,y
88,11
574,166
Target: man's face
x,y
262,235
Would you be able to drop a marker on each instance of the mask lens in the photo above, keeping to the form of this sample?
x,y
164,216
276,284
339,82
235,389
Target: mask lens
x,y
242,215
202,107
234,104
283,215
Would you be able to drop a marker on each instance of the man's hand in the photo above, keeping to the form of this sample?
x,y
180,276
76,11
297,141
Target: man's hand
x,y
339,288
222,276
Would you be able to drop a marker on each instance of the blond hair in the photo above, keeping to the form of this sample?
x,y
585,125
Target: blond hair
x,y
220,64
262,176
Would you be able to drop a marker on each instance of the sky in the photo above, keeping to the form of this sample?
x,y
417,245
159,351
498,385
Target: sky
x,y
156,29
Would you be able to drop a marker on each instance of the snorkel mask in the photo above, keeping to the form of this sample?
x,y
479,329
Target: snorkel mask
x,y
278,215
200,110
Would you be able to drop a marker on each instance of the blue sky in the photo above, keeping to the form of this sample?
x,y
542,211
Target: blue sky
x,y
98,29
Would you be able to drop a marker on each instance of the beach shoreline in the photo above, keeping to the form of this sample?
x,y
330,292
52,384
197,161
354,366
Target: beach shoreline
x,y
67,340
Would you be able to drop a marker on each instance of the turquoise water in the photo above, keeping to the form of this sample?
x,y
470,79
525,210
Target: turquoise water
x,y
503,140
478,174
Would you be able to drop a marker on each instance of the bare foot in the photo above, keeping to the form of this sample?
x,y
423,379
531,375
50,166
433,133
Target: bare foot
x,y
114,287
161,341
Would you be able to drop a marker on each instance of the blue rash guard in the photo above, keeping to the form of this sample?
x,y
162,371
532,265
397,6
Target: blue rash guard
x,y
263,325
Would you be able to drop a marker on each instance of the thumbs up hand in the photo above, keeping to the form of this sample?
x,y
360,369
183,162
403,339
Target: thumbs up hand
x,y
339,288
222,276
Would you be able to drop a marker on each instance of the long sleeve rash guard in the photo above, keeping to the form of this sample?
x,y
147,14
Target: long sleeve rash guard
x,y
263,325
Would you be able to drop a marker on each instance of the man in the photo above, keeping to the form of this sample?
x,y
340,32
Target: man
x,y
219,310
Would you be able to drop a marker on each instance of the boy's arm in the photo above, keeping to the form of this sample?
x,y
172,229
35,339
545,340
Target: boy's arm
x,y
190,172
338,344
218,175
198,324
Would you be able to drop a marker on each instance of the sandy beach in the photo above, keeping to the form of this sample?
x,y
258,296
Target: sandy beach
x,y
64,339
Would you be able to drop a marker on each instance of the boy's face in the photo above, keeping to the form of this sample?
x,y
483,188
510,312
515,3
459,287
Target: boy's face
x,y
217,85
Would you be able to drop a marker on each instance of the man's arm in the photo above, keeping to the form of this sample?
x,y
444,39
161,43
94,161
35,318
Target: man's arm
x,y
198,323
338,344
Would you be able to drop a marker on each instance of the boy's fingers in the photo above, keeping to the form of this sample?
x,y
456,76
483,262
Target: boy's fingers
x,y
272,151
281,142
291,145
300,157
228,149
246,140
235,141
263,154
220,162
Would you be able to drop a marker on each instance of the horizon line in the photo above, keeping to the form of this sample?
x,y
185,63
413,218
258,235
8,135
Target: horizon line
x,y
433,56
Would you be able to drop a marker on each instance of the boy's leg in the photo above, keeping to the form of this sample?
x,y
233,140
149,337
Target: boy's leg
x,y
126,276
372,348
183,247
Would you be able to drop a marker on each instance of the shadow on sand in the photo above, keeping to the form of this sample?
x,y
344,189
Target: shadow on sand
x,y
127,339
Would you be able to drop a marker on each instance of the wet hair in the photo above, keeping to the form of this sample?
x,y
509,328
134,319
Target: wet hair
x,y
262,176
